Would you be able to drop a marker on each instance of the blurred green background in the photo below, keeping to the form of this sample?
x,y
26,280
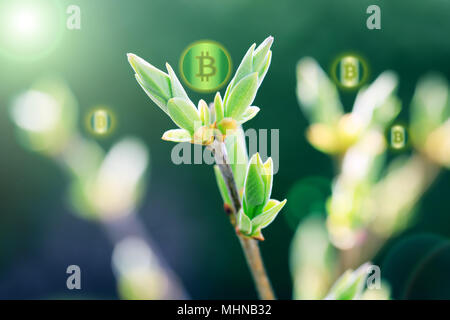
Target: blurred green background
x,y
182,208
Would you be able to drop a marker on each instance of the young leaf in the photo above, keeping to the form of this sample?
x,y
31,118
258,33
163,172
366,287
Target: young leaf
x,y
387,112
246,66
218,107
183,113
152,80
267,176
429,107
177,89
204,112
437,146
237,155
177,135
244,69
262,54
241,96
249,114
254,189
270,212
317,94
374,96
244,223
262,73
222,186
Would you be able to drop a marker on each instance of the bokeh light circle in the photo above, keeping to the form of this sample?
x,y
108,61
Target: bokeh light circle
x,y
30,29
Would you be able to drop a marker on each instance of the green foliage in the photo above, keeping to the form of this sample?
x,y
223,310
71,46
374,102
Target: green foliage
x,y
317,94
205,114
350,285
331,131
201,123
241,96
177,135
222,186
258,210
430,107
254,61
367,197
238,156
153,81
312,259
183,113
249,114
218,107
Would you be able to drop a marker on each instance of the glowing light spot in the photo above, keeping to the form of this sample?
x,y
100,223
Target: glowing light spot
x,y
36,111
29,29
25,22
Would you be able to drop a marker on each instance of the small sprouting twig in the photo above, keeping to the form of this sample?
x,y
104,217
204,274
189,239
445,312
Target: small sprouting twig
x,y
209,126
249,246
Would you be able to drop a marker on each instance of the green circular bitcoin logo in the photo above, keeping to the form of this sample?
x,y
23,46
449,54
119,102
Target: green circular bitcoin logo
x,y
397,136
349,71
205,66
100,121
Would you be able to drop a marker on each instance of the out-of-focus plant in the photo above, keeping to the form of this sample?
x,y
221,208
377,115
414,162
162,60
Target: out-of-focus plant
x,y
245,188
350,285
312,258
106,188
371,200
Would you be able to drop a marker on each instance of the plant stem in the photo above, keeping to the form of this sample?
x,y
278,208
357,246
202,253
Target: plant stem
x,y
250,246
256,266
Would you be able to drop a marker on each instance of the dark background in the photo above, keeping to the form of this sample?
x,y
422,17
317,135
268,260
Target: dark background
x,y
182,210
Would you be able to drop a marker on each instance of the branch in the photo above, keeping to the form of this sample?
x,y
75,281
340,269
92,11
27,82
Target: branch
x,y
249,245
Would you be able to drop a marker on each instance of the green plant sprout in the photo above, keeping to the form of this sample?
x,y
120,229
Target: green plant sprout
x,y
245,188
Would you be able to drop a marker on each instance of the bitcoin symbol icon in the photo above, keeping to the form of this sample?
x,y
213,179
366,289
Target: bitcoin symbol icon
x,y
100,122
202,66
397,137
350,71
205,66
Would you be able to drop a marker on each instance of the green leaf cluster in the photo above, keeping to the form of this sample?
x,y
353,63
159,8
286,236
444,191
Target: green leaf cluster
x,y
202,124
238,158
258,210
221,120
331,130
